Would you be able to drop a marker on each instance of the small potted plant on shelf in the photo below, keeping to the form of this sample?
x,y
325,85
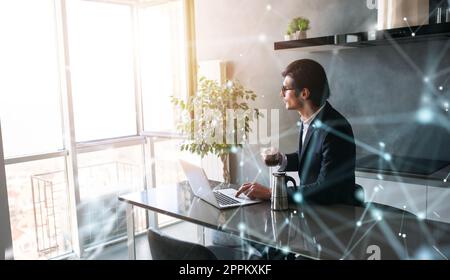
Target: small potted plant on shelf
x,y
297,29
291,30
303,26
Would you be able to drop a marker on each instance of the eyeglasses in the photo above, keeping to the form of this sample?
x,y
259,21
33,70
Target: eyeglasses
x,y
284,89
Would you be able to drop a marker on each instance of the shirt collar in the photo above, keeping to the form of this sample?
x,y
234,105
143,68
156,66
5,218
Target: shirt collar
x,y
310,119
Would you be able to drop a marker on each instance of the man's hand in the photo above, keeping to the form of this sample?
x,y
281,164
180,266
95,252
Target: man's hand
x,y
254,191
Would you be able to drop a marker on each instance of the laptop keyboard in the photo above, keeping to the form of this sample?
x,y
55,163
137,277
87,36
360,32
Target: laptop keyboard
x,y
224,200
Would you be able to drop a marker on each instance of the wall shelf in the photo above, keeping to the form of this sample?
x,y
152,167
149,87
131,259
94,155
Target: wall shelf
x,y
366,39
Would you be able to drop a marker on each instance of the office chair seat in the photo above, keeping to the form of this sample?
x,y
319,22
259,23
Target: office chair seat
x,y
163,247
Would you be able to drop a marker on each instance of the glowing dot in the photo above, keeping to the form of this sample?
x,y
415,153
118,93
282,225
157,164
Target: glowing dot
x,y
234,149
424,254
360,195
262,38
404,206
379,218
379,176
387,157
286,250
445,180
262,96
413,34
241,55
259,171
298,198
404,235
295,212
229,84
399,234
241,163
441,88
299,123
421,216
405,19
318,123
426,79
241,226
268,7
376,189
382,144
358,223
425,115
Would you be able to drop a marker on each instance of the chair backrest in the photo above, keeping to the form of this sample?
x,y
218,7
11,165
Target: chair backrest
x,y
163,247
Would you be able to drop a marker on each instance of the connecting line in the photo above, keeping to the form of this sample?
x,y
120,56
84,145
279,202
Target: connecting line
x,y
446,178
407,23
406,248
349,139
324,227
351,238
401,224
440,253
392,239
359,240
404,55
422,24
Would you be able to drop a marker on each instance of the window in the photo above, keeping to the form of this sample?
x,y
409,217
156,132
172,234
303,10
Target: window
x,y
29,90
39,208
103,176
163,63
101,53
101,61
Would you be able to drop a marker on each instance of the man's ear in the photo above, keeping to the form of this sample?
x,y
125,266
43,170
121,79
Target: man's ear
x,y
305,94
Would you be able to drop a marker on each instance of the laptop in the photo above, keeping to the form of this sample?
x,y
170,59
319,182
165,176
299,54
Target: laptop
x,y
201,187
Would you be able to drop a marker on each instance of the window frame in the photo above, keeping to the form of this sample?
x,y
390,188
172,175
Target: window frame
x,y
71,147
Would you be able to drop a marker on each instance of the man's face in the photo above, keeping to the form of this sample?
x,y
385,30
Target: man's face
x,y
288,94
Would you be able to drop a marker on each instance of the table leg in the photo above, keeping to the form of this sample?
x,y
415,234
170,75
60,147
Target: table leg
x,y
130,233
201,235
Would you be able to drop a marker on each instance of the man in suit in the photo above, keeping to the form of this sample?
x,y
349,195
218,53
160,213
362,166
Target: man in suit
x,y
325,159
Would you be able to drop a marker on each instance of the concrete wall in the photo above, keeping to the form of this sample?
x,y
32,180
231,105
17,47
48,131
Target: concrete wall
x,y
242,33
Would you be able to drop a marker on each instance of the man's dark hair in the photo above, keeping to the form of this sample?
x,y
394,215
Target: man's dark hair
x,y
309,74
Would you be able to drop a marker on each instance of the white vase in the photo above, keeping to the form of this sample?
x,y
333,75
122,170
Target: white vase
x,y
287,37
300,35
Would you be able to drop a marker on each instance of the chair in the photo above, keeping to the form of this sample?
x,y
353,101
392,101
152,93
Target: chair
x,y
163,247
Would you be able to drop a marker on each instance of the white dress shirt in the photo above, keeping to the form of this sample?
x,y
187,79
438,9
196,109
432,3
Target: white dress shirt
x,y
306,123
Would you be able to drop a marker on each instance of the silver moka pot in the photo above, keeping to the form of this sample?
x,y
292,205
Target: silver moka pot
x,y
279,199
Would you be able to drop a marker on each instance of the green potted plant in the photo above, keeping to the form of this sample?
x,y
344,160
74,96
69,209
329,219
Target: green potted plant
x,y
291,29
297,28
303,26
216,120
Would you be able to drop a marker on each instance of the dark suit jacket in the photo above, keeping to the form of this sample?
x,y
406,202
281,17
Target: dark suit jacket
x,y
326,161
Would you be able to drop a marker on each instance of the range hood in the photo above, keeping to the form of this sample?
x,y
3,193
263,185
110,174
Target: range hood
x,y
439,31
